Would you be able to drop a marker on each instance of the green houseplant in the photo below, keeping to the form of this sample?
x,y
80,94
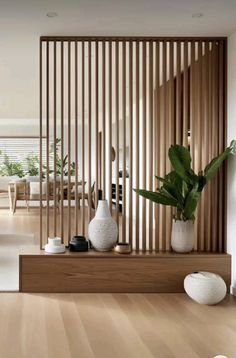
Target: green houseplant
x,y
11,168
32,161
61,165
181,189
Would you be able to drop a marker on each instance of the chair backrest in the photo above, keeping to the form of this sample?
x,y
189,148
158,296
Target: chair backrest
x,y
35,188
21,189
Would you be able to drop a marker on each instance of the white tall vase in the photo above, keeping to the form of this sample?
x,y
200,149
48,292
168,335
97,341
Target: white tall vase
x,y
102,230
182,237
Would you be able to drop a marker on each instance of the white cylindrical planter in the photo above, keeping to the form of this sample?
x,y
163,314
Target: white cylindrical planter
x,y
205,287
102,230
182,237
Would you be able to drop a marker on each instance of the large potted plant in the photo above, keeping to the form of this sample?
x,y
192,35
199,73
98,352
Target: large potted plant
x,y
181,189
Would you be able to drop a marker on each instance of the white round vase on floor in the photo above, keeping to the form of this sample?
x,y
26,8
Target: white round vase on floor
x,y
182,236
205,287
102,230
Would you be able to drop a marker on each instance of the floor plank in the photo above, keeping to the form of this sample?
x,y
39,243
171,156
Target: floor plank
x,y
114,325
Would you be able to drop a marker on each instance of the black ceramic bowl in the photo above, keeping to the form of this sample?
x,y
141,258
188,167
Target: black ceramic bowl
x,y
78,244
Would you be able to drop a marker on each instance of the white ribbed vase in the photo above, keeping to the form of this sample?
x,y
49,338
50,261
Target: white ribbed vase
x,y
182,237
102,230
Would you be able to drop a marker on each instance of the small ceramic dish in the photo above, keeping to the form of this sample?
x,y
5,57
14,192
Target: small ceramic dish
x,y
122,248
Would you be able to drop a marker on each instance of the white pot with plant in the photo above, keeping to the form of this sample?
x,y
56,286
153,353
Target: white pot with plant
x,y
181,189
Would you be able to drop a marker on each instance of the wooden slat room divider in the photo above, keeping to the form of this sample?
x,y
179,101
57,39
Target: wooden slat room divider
x,y
110,108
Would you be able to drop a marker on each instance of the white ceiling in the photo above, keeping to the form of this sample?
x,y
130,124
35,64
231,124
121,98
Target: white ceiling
x,y
23,21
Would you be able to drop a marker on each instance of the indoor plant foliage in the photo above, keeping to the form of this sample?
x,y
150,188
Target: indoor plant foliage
x,y
182,188
11,168
61,164
32,161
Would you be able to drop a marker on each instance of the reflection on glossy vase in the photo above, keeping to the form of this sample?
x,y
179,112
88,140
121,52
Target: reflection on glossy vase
x,y
102,230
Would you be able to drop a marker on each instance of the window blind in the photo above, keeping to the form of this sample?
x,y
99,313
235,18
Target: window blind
x,y
17,149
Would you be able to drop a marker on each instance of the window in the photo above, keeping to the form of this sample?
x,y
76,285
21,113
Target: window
x,y
17,149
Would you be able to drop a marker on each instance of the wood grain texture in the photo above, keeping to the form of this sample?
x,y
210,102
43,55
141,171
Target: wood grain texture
x,y
114,325
109,272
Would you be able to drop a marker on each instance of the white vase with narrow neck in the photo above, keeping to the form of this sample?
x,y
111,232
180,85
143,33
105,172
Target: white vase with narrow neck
x,y
102,230
182,237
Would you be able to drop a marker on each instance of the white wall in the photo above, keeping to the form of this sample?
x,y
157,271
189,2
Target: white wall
x,y
231,130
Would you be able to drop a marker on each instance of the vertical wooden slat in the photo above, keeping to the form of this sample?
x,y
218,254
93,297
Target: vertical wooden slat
x,y
178,137
196,133
144,143
83,138
209,201
207,152
69,141
62,141
131,143
204,139
137,143
117,134
89,127
110,125
163,143
104,118
221,142
47,140
201,143
150,143
76,138
170,135
193,93
224,144
124,141
96,119
55,142
157,139
185,95
215,141
192,98
40,143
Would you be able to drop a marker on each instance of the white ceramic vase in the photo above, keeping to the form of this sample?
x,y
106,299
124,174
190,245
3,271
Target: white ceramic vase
x,y
182,237
205,287
102,230
55,246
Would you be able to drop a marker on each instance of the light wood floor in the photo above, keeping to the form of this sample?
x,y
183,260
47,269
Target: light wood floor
x,y
114,325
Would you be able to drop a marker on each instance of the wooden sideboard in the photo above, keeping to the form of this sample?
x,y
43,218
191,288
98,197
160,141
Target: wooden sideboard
x,y
112,272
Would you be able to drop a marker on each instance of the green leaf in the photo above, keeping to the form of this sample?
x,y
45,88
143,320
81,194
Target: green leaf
x,y
180,159
216,163
162,180
201,182
191,203
156,197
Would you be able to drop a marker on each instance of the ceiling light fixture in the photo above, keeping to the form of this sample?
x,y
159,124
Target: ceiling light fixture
x,y
197,15
52,14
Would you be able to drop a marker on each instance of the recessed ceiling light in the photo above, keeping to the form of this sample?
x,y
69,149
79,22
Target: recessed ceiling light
x,y
52,14
197,15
